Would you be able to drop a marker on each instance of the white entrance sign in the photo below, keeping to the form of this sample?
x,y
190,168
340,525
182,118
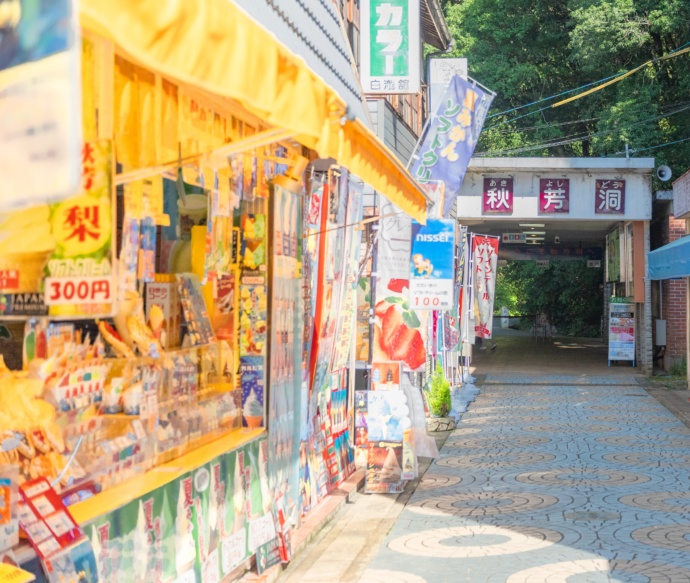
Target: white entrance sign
x,y
572,194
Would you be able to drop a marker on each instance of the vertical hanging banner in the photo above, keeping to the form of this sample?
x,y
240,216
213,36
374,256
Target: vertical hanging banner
x,y
450,138
484,264
285,354
40,102
390,46
353,239
400,333
432,268
79,271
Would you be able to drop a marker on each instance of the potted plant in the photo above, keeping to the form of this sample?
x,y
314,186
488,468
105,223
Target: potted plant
x,y
439,401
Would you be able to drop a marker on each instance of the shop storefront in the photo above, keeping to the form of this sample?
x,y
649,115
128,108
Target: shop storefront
x,y
176,391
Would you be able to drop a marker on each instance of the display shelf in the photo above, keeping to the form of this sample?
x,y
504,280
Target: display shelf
x,y
121,494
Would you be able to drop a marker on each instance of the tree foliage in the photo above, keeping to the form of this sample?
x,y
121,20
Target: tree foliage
x,y
568,292
526,50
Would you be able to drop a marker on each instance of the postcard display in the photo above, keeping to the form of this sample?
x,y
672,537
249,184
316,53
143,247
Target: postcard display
x,y
621,331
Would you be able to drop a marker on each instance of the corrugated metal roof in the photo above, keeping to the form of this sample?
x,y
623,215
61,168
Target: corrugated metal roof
x,y
434,27
311,29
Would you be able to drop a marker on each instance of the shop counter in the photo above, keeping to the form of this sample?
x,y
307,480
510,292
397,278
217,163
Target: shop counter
x,y
197,518
139,486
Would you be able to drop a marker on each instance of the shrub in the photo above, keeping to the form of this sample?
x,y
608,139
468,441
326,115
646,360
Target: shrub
x,y
439,392
679,368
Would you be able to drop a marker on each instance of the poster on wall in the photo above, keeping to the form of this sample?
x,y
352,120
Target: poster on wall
x,y
432,265
387,420
484,265
40,105
400,332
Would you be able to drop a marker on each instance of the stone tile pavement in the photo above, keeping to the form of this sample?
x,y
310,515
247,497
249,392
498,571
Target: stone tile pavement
x,y
556,478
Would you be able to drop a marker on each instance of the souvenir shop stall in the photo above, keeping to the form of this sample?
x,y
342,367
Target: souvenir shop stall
x,y
177,329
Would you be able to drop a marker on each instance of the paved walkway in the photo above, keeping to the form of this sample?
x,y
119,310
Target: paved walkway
x,y
550,479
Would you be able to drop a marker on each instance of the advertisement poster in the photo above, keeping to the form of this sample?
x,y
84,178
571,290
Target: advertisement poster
x,y
253,389
80,229
384,468
285,356
385,375
432,265
194,528
484,265
400,332
40,104
361,422
621,331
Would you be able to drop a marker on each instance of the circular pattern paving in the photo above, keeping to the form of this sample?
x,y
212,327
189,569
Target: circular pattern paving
x,y
663,501
481,504
637,418
466,431
660,459
682,429
675,537
559,572
435,481
575,428
485,459
607,570
509,441
632,411
460,542
636,441
572,477
386,576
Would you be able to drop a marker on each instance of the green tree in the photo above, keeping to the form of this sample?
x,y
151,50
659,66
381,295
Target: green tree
x,y
526,50
568,292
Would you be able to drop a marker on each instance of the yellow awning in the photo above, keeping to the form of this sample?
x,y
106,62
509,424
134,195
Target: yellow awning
x,y
214,45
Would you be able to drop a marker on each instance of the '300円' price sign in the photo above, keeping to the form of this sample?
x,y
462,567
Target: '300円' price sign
x,y
63,291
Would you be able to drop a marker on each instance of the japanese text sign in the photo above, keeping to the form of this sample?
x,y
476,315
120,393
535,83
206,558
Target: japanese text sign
x,y
450,138
554,195
82,227
681,197
390,46
497,196
609,198
432,268
484,265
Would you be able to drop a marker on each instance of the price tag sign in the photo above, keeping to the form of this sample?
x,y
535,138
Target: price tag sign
x,y
63,291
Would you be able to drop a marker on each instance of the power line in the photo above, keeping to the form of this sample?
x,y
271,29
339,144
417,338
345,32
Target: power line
x,y
550,125
605,79
579,137
651,147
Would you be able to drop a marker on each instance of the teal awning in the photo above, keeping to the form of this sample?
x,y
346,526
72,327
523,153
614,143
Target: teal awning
x,y
671,261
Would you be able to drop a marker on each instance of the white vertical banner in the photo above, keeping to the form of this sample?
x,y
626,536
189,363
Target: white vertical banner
x,y
40,103
390,46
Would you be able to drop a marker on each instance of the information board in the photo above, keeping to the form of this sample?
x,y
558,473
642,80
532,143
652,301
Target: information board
x,y
622,332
